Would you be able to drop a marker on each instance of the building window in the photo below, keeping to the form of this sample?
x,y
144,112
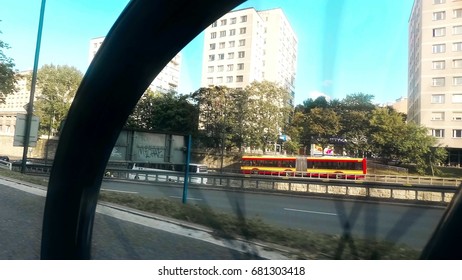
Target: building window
x,y
223,22
438,65
221,56
223,33
230,67
210,69
438,133
231,55
438,82
213,35
219,80
458,81
231,44
439,15
457,98
229,79
240,66
457,133
243,18
210,81
241,54
439,1
457,63
438,32
457,47
239,79
437,116
457,116
214,24
242,30
233,20
211,57
220,68
438,98
212,46
241,42
221,45
232,32
439,48
457,13
457,30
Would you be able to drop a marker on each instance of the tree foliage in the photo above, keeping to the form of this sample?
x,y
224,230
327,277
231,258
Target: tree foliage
x,y
322,124
7,73
164,112
268,113
250,117
408,143
56,88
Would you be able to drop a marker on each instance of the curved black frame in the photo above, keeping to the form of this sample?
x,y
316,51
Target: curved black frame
x,y
145,37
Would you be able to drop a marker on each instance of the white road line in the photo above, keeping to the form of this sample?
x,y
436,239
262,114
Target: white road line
x,y
189,198
311,212
109,190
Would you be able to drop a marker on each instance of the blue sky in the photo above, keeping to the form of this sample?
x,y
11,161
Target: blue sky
x,y
345,46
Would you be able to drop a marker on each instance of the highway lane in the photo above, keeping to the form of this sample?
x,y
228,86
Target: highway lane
x,y
21,214
399,223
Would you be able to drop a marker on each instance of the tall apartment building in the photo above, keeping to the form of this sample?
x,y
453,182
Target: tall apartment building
x,y
248,45
435,71
167,80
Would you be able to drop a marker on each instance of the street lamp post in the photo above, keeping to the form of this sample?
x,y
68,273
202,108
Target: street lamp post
x,y
30,107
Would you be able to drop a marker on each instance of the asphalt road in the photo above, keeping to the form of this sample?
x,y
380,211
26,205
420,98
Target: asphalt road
x,y
21,211
399,223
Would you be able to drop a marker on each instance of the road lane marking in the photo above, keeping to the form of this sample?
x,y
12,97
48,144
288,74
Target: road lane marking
x,y
311,212
189,198
109,190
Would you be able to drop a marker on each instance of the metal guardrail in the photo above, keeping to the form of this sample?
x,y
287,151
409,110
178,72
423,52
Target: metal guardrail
x,y
439,190
6,165
401,179
402,188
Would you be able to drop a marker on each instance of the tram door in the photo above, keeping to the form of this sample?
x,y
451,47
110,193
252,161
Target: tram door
x,y
301,164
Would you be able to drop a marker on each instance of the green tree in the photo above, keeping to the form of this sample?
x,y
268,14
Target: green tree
x,y
7,73
297,134
238,113
166,112
405,143
355,111
56,88
269,112
388,135
213,106
356,131
321,125
436,156
359,102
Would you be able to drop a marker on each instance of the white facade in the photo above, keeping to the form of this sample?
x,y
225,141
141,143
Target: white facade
x,y
249,45
167,80
435,71
14,104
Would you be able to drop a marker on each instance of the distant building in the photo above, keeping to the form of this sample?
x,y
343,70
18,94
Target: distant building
x,y
167,80
435,71
248,45
15,103
400,105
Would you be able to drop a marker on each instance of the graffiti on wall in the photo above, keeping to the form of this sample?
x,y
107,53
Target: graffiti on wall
x,y
151,152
